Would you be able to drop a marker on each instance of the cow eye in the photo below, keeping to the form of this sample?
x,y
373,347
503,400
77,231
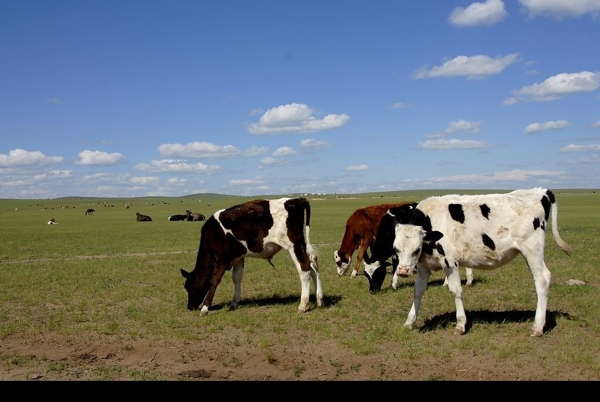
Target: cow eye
x,y
417,252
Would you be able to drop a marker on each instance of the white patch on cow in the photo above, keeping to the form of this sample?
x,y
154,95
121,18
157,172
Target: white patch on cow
x,y
510,225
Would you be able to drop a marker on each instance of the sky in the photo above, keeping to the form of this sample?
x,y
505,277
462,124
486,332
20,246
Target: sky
x,y
136,98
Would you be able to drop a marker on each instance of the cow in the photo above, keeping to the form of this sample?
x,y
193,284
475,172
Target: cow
x,y
142,217
382,249
90,211
178,217
194,216
361,230
52,222
259,229
482,232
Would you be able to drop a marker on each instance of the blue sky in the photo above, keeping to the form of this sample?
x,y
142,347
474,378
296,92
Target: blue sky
x,y
169,98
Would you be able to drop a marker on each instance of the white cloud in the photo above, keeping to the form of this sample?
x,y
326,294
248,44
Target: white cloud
x,y
355,168
177,166
399,105
549,125
143,180
454,144
466,127
21,157
596,124
472,67
284,151
247,182
313,145
560,9
99,158
294,118
557,87
199,149
174,181
53,101
580,148
478,14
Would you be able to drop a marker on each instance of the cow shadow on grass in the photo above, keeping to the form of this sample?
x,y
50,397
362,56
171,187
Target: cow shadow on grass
x,y
448,319
279,300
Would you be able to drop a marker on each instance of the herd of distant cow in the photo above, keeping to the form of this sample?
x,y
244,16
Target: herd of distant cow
x,y
438,233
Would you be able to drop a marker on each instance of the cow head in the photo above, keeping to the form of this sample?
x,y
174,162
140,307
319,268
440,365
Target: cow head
x,y
342,262
409,244
195,291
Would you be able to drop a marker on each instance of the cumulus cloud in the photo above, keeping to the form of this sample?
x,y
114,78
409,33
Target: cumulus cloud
x,y
478,14
459,126
454,144
21,157
560,9
294,118
549,125
580,148
177,166
472,67
313,145
198,149
284,151
556,87
99,158
247,182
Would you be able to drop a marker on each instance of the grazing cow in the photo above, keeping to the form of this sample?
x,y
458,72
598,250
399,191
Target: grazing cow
x,y
52,222
90,211
361,230
142,218
177,217
258,229
194,216
482,232
383,248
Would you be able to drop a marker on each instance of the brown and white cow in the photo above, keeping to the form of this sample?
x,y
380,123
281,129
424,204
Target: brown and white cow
x,y
142,218
258,229
481,232
361,231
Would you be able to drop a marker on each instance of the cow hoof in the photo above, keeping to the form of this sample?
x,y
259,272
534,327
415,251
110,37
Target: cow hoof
x,y
537,333
203,313
301,311
459,331
353,274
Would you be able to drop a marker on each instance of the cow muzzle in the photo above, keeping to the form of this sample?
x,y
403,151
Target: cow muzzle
x,y
403,271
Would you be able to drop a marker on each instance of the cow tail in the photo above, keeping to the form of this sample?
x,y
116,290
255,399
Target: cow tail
x,y
559,240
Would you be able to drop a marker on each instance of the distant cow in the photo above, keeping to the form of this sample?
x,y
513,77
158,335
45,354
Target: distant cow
x,y
361,230
258,229
52,222
194,216
178,217
90,211
482,232
142,218
383,248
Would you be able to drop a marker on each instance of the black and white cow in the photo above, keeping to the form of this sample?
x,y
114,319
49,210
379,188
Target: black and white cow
x,y
177,217
382,249
481,232
258,229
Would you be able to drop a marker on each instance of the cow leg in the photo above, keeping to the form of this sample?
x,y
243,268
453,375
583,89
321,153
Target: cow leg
x,y
314,274
359,257
214,282
236,276
453,279
421,282
305,288
469,272
541,277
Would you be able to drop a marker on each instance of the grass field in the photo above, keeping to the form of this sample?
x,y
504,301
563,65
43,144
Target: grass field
x,y
100,297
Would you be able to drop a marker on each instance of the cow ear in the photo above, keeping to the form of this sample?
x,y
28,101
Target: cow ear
x,y
433,236
184,273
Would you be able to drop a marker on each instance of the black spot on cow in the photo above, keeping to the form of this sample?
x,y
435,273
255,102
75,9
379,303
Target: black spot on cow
x,y
546,204
418,218
536,223
485,211
440,249
456,212
489,243
447,263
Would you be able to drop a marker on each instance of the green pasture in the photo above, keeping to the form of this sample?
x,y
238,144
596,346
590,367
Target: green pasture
x,y
108,276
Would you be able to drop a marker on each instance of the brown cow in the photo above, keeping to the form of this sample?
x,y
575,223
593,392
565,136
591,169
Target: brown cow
x,y
258,229
361,230
90,211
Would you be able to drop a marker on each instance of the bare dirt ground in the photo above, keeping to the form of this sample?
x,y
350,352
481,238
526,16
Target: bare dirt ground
x,y
47,359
